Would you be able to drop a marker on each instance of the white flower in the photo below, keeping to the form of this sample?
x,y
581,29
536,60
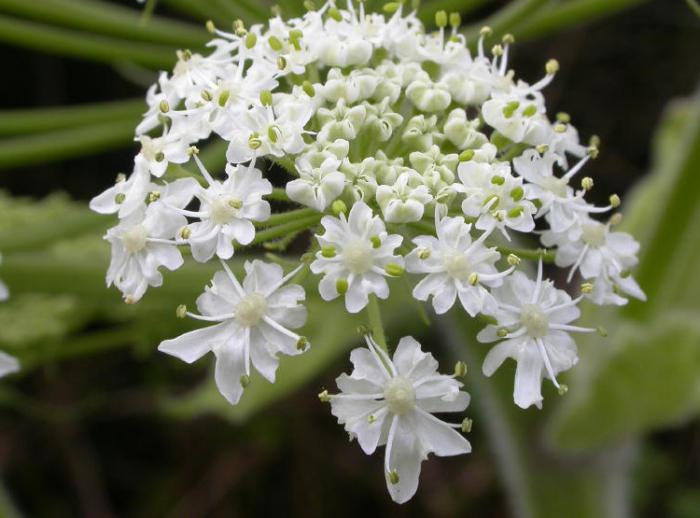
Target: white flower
x,y
405,200
390,401
456,266
495,197
261,131
599,254
227,210
559,202
128,196
319,183
253,325
157,153
533,322
141,244
355,253
516,120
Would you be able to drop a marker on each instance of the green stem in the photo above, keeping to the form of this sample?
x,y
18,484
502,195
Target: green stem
x,y
200,10
65,42
148,11
292,215
57,145
33,120
278,194
547,256
286,163
374,316
108,19
427,10
504,20
569,14
694,6
286,228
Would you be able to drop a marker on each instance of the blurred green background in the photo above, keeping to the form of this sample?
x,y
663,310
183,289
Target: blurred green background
x,y
99,424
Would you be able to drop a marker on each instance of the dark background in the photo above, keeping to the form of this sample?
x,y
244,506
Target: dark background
x,y
112,454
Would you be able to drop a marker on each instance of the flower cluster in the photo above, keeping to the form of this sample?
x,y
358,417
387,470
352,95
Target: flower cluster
x,y
409,156
8,363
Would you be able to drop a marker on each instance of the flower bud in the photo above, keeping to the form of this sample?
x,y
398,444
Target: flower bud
x,y
394,269
460,369
338,207
466,425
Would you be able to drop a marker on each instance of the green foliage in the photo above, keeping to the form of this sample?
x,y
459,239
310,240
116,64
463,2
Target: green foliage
x,y
647,375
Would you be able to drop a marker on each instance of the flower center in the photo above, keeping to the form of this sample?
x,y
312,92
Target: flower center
x,y
399,395
224,209
134,239
456,265
357,256
594,234
555,185
251,310
534,320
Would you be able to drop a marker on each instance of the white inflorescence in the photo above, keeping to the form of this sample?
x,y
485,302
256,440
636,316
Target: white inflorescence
x,y
407,154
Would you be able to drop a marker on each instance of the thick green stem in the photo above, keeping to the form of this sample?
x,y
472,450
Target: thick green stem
x,y
34,120
286,228
292,215
505,19
54,40
569,14
61,144
374,316
109,19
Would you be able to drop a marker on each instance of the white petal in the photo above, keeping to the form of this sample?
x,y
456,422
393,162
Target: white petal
x,y
191,346
406,457
438,437
528,378
230,366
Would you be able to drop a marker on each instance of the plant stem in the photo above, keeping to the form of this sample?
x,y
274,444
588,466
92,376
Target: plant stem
x,y
148,11
505,19
105,49
33,120
286,228
547,256
569,14
292,215
278,194
108,19
57,145
374,316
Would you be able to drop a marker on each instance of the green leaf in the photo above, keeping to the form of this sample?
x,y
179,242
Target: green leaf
x,y
646,375
649,379
27,224
29,318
